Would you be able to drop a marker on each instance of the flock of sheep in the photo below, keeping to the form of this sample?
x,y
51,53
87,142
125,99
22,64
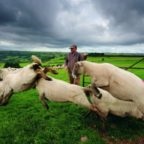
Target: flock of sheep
x,y
112,90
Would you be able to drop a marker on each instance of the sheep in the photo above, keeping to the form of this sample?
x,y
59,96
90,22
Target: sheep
x,y
20,79
119,83
5,71
61,91
109,104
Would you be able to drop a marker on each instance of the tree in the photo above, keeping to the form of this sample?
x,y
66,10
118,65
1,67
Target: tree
x,y
12,62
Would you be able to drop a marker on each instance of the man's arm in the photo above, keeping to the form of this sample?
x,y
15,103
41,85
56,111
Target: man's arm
x,y
66,61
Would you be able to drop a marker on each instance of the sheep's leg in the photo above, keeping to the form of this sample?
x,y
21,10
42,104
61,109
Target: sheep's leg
x,y
1,98
87,91
92,89
44,101
101,113
93,108
137,113
5,98
141,106
96,91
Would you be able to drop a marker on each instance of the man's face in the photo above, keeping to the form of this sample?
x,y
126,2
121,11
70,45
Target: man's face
x,y
73,50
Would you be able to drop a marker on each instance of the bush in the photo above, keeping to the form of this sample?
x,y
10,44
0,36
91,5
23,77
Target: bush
x,y
13,64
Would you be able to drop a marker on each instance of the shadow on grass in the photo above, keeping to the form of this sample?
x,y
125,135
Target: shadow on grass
x,y
116,127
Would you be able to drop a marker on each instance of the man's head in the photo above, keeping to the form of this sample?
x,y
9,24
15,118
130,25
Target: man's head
x,y
73,48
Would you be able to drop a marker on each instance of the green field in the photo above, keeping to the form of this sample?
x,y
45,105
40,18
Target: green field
x,y
25,121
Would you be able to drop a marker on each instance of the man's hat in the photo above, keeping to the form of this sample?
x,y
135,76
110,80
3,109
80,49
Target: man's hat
x,y
73,46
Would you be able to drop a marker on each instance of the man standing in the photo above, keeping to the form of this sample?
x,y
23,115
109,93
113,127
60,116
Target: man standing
x,y
71,59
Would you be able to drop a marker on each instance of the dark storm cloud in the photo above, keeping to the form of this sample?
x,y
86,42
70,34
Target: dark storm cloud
x,y
29,20
37,24
16,14
126,17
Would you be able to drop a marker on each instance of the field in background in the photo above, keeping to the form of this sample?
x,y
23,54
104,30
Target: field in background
x,y
25,121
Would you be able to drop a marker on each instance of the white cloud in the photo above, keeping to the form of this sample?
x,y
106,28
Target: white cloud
x,y
7,43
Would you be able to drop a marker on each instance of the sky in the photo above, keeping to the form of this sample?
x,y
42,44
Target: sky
x,y
115,26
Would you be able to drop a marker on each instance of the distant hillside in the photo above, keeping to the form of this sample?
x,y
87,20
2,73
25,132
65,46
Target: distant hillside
x,y
25,56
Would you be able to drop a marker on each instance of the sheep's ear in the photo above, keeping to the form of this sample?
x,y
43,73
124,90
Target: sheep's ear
x,y
36,59
35,66
45,70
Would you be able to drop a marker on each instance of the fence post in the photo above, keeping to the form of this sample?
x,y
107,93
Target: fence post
x,y
83,80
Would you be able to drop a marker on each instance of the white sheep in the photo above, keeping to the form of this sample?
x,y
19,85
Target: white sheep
x,y
108,104
118,82
20,79
61,91
23,78
5,71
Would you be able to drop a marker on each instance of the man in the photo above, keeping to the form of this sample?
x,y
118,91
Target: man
x,y
71,59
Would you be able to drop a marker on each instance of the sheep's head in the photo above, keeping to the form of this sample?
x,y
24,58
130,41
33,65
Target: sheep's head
x,y
39,71
49,69
45,71
77,70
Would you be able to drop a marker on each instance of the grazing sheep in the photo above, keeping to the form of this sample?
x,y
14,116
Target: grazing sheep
x,y
109,104
61,91
119,83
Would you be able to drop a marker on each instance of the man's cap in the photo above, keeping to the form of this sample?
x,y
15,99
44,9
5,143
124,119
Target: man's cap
x,y
73,46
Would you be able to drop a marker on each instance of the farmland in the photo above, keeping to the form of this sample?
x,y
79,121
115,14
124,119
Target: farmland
x,y
25,121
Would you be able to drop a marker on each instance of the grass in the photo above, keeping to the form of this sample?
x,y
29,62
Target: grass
x,y
25,121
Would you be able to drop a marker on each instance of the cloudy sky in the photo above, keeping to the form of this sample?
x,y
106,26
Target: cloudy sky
x,y
53,25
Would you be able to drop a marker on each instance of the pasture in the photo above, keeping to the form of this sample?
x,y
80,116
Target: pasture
x,y
25,121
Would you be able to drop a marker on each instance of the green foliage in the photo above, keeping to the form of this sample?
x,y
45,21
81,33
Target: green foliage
x,y
25,56
12,62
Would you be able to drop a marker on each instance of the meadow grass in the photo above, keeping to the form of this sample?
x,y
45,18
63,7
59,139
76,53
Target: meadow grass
x,y
25,121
